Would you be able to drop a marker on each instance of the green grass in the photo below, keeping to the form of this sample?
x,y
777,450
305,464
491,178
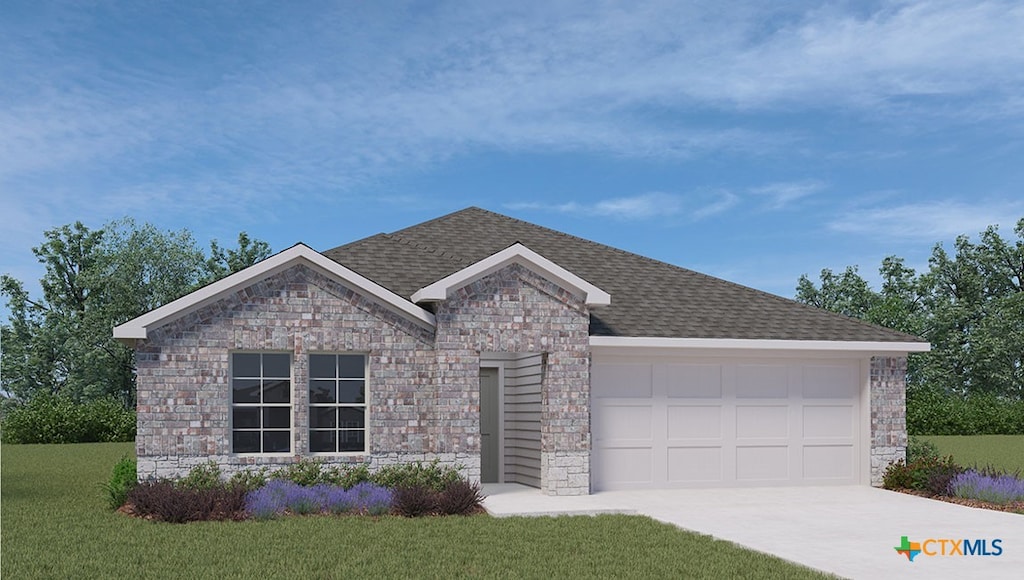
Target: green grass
x,y
1005,451
55,525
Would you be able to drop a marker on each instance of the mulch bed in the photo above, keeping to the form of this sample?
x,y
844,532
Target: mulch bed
x,y
1012,507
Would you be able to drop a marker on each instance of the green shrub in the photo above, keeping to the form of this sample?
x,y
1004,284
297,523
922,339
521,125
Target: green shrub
x,y
204,476
55,419
249,479
305,472
347,476
930,473
931,411
432,475
918,448
122,480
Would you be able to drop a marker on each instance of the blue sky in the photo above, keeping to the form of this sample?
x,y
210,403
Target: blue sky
x,y
753,141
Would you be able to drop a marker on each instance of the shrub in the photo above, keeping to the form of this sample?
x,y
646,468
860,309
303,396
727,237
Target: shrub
x,y
1000,489
415,500
165,501
249,479
931,411
122,480
370,498
918,448
55,419
305,472
204,476
931,474
460,498
897,476
432,475
350,475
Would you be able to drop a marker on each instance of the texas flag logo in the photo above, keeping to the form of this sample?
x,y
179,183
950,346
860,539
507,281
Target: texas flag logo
x,y
908,548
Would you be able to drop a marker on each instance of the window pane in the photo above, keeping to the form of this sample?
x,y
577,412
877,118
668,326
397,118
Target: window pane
x,y
321,366
322,441
245,442
276,442
352,441
350,391
245,365
350,418
276,366
245,390
276,417
351,366
246,418
323,417
321,391
277,391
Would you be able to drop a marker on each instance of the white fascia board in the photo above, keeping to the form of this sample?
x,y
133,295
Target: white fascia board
x,y
515,254
137,328
627,342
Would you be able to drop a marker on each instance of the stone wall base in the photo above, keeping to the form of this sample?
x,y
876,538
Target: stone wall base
x,y
565,472
173,467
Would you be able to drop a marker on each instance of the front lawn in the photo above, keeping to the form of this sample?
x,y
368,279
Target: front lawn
x,y
1003,451
55,524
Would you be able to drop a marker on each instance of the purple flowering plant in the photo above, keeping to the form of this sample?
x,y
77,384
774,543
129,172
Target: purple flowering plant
x,y
281,496
994,488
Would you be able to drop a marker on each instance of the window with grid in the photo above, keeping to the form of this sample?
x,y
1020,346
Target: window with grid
x,y
337,403
261,410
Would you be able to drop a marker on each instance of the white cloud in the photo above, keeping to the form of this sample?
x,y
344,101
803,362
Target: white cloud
x,y
928,221
645,206
783,194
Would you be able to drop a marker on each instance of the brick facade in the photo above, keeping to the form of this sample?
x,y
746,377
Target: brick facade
x,y
888,413
423,387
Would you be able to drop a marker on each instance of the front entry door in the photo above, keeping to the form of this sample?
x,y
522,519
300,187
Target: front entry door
x,y
490,425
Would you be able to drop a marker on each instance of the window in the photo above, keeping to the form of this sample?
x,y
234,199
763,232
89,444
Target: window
x,y
261,391
337,403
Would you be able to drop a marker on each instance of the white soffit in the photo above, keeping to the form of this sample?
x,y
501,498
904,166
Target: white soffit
x,y
627,342
299,253
515,254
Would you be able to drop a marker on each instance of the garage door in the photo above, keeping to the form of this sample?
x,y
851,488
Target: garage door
x,y
660,425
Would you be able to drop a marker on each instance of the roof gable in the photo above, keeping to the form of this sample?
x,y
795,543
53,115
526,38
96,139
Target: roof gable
x,y
652,298
515,254
138,328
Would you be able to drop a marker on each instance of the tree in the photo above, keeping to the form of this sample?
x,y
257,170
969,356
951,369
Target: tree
x,y
969,305
61,344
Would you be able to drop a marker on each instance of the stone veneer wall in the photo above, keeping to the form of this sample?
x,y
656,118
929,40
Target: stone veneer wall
x,y
888,413
515,310
184,398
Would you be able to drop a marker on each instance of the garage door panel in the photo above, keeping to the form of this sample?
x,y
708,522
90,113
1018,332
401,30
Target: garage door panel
x,y
694,422
828,421
758,421
626,465
828,462
618,422
631,380
694,381
694,464
762,382
829,382
762,463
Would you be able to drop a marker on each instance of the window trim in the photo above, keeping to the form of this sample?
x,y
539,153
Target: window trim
x,y
365,405
290,405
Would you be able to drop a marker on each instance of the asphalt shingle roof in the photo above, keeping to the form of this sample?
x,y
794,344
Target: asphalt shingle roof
x,y
649,298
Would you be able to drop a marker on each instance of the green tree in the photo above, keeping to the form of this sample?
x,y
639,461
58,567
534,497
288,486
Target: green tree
x,y
61,344
969,304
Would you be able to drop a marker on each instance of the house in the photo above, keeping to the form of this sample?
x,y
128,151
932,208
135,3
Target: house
x,y
525,355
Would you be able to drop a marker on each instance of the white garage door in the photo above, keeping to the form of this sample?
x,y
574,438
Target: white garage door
x,y
660,425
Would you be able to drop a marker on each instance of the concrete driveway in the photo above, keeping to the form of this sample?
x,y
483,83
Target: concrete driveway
x,y
851,531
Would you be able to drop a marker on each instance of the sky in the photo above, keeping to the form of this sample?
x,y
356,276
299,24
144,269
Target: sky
x,y
753,141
